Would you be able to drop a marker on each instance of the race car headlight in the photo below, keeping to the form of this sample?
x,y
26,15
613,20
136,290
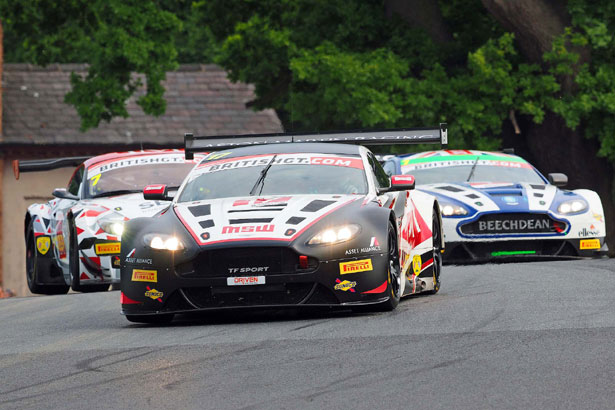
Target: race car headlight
x,y
572,207
163,242
336,234
112,224
448,209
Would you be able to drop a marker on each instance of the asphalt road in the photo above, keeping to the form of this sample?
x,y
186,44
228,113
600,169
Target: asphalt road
x,y
524,336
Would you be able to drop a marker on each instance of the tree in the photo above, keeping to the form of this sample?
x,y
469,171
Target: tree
x,y
117,38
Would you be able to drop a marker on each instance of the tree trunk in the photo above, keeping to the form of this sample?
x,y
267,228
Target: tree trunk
x,y
421,13
552,146
535,23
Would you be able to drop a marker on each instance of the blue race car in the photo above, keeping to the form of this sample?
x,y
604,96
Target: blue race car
x,y
498,206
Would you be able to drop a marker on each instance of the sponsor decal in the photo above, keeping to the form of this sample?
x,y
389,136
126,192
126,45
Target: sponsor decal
x,y
43,243
59,242
245,280
598,217
154,294
514,225
356,266
592,231
590,244
229,229
416,264
345,285
107,248
281,159
135,161
132,253
142,275
254,269
143,261
374,246
115,261
216,155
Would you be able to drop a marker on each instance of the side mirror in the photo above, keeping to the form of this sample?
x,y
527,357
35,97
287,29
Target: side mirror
x,y
400,183
557,179
62,193
156,193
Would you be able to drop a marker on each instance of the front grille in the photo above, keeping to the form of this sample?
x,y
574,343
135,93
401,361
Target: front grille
x,y
245,261
513,223
260,295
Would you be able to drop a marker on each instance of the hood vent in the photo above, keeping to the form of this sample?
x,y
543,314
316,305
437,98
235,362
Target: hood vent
x,y
250,221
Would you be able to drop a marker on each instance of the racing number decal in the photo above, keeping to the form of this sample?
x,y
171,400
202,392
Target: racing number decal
x,y
94,179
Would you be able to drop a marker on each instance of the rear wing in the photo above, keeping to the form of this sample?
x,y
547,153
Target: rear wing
x,y
38,165
435,135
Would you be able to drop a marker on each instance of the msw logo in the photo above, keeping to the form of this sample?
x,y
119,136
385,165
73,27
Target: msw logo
x,y
247,228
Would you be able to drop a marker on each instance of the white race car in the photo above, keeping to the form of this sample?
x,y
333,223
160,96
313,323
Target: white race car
x,y
496,205
74,239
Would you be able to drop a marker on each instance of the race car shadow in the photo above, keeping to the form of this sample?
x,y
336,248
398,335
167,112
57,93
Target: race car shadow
x,y
226,317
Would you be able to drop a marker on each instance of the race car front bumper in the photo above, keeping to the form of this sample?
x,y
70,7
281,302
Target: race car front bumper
x,y
525,249
185,288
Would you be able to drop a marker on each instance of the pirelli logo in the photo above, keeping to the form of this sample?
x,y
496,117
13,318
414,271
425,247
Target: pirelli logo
x,y
110,248
590,244
143,275
355,266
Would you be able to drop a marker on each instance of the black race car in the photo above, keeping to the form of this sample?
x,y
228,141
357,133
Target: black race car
x,y
286,221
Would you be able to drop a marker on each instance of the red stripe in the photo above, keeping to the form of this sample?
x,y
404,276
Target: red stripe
x,y
380,289
125,300
426,264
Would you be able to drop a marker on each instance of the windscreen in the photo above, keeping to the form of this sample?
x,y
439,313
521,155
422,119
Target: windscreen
x,y
132,174
281,174
469,168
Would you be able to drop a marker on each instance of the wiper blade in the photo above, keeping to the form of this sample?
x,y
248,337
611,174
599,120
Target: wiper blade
x,y
261,177
472,170
117,192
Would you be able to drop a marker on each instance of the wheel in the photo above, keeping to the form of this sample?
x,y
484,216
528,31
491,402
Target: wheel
x,y
394,273
33,268
151,319
437,252
73,266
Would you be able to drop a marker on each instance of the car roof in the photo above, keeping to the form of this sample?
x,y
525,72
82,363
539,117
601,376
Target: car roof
x,y
129,154
296,147
458,153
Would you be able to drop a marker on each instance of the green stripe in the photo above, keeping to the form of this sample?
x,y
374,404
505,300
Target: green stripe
x,y
467,157
508,253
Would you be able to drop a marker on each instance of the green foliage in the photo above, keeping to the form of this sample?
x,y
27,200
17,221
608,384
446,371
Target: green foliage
x,y
115,37
329,64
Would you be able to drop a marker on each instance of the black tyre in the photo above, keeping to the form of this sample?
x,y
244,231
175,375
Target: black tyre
x,y
151,319
394,273
437,252
33,269
73,260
